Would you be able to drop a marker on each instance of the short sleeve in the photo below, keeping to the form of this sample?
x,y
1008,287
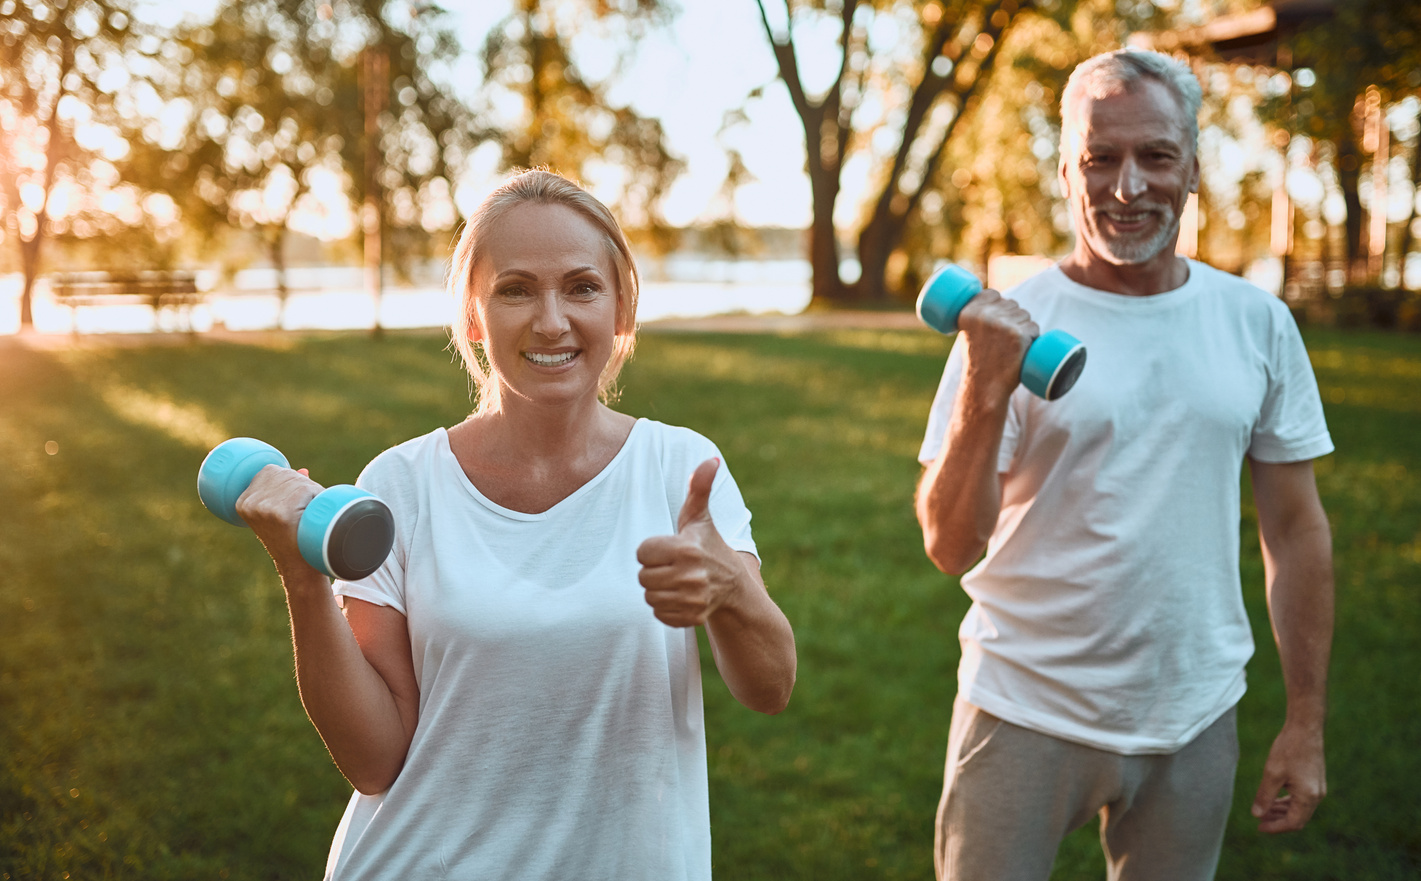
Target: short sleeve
x,y
1291,426
729,512
683,451
386,479
940,416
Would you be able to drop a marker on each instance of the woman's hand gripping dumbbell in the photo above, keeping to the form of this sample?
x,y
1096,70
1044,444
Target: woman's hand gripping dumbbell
x,y
1053,361
344,531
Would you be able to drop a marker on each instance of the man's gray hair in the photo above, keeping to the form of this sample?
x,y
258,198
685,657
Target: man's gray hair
x,y
1113,72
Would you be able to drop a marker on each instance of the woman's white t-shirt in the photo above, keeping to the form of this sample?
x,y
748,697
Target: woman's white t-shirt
x,y
560,729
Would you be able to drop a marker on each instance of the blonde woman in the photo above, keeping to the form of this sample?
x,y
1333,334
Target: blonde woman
x,y
516,692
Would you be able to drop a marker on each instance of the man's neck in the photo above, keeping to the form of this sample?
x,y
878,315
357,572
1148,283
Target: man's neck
x,y
1165,272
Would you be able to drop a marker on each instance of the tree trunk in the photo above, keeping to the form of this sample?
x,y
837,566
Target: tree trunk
x,y
826,285
276,250
876,243
377,73
29,264
1407,239
1349,171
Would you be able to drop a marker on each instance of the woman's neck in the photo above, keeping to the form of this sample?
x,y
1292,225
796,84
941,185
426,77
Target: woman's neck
x,y
528,457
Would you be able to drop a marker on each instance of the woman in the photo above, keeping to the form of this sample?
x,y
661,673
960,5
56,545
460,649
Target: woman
x,y
499,693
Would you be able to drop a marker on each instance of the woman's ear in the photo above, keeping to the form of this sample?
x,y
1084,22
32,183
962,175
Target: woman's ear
x,y
471,323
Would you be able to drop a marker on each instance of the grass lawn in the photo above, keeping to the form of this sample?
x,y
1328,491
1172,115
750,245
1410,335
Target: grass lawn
x,y
149,721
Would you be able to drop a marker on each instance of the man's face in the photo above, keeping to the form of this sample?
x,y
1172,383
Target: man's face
x,y
1128,168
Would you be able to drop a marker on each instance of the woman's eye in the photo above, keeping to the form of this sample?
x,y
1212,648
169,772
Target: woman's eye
x,y
513,291
586,289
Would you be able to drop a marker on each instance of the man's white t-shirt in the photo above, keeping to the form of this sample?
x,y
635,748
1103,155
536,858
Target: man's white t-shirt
x,y
560,728
1108,609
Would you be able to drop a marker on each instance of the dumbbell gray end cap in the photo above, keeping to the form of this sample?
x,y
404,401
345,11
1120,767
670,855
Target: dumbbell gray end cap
x,y
360,539
1052,364
1067,373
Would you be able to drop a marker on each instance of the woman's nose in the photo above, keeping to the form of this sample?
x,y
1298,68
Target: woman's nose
x,y
550,319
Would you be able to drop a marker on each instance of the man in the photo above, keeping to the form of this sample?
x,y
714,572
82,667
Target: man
x,y
1104,651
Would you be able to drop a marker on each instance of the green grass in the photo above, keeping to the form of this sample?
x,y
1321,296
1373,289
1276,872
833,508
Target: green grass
x,y
149,722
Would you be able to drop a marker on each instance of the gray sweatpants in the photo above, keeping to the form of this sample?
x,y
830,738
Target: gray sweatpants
x,y
1010,795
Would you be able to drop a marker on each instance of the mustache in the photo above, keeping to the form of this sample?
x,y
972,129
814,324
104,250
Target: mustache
x,y
1141,207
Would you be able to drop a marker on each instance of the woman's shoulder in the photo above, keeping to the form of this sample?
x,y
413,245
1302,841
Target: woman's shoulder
x,y
672,450
406,460
672,440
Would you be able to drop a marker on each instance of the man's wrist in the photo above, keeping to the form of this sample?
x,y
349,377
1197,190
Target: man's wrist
x,y
1308,715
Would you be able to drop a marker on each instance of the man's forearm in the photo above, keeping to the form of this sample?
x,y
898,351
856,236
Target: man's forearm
x,y
1300,604
959,495
1297,559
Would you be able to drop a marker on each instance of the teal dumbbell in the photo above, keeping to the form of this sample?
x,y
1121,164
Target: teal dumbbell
x,y
345,531
1054,360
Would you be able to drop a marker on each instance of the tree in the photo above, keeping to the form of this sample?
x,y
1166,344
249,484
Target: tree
x,y
1367,44
952,48
954,104
564,118
57,59
271,95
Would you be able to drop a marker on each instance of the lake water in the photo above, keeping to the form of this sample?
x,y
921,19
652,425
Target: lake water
x,y
333,298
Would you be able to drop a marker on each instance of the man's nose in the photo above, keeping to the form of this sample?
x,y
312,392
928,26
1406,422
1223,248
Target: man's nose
x,y
1130,183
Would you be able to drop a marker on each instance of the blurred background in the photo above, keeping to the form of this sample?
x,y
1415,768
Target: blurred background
x,y
204,172
250,164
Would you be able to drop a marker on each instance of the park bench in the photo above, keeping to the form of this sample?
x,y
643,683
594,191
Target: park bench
x,y
157,288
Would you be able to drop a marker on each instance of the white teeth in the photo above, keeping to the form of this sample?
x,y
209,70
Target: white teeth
x,y
550,360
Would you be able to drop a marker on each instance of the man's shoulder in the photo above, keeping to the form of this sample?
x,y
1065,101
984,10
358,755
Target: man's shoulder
x,y
1218,279
1050,278
1236,291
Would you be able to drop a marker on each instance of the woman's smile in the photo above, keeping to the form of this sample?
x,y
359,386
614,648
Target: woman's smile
x,y
557,359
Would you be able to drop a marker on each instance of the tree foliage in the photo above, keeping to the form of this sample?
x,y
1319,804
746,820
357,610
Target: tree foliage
x,y
1367,44
557,111
270,94
61,62
915,79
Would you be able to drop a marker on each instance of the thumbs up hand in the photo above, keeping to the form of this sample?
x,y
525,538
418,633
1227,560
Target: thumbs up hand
x,y
689,575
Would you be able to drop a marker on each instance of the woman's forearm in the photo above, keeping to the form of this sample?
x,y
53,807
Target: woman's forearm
x,y
367,724
753,646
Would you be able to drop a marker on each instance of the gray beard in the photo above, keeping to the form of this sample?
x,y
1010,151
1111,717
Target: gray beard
x,y
1129,252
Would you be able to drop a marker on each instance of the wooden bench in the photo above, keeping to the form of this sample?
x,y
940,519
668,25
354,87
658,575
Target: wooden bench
x,y
158,289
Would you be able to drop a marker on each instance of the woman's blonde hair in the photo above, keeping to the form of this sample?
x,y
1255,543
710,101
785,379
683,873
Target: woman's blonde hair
x,y
538,187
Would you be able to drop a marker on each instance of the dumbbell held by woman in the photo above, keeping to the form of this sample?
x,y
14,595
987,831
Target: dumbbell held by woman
x,y
1054,360
344,532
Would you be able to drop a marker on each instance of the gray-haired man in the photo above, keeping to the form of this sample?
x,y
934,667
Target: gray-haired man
x,y
1104,651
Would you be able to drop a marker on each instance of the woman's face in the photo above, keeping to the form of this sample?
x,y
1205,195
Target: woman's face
x,y
545,304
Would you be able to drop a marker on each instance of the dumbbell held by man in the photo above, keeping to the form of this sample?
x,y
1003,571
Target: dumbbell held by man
x,y
344,532
1053,361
